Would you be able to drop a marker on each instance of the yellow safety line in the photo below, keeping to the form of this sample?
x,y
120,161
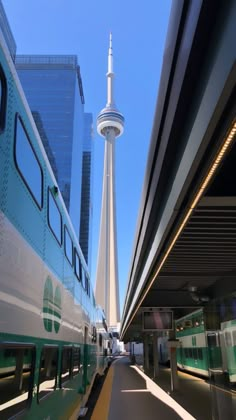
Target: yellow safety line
x,y
101,409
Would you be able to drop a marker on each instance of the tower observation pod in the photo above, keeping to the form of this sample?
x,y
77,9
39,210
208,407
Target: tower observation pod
x,y
110,124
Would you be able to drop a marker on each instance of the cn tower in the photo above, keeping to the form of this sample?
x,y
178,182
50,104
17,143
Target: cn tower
x,y
110,125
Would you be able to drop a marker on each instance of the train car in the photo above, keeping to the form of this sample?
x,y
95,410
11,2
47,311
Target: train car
x,y
208,341
49,347
104,343
192,355
228,337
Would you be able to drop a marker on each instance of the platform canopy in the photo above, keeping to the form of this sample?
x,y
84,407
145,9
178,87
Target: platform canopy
x,y
185,246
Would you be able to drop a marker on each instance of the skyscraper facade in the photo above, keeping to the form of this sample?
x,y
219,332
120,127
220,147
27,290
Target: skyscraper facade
x,y
86,214
110,124
53,88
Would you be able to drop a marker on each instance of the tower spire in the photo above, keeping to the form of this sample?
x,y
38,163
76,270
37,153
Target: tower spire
x,y
110,74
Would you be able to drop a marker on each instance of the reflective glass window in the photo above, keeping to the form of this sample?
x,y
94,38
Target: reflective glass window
x,y
54,217
16,371
54,93
200,355
76,360
87,285
83,278
233,308
234,338
3,96
211,340
27,163
94,334
48,371
228,339
77,266
66,364
68,246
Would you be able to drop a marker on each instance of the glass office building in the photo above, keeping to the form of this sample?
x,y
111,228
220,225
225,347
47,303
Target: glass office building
x,y
53,88
85,238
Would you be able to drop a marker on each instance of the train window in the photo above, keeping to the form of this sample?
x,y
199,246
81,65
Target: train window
x,y
233,308
83,278
27,163
211,340
195,353
200,355
234,338
68,246
76,360
186,353
87,285
191,353
86,282
16,382
188,323
228,339
3,97
94,334
80,270
66,364
77,266
48,371
54,217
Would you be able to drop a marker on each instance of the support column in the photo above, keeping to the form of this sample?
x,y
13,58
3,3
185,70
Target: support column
x,y
18,379
173,344
132,355
155,356
146,354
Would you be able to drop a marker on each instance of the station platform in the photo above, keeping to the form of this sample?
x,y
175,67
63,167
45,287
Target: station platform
x,y
128,393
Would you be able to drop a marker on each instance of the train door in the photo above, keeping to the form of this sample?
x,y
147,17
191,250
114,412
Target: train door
x,y
221,398
214,353
85,361
223,352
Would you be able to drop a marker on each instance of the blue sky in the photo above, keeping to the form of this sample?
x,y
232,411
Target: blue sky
x,y
82,27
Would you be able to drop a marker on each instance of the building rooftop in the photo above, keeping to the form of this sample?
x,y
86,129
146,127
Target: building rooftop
x,y
46,61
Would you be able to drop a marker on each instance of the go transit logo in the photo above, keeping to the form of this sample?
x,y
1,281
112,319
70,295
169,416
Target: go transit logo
x,y
51,307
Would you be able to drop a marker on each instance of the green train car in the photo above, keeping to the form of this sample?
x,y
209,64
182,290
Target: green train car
x,y
192,355
208,341
53,338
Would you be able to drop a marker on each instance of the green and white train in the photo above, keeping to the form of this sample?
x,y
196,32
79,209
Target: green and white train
x,y
208,341
192,355
52,335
